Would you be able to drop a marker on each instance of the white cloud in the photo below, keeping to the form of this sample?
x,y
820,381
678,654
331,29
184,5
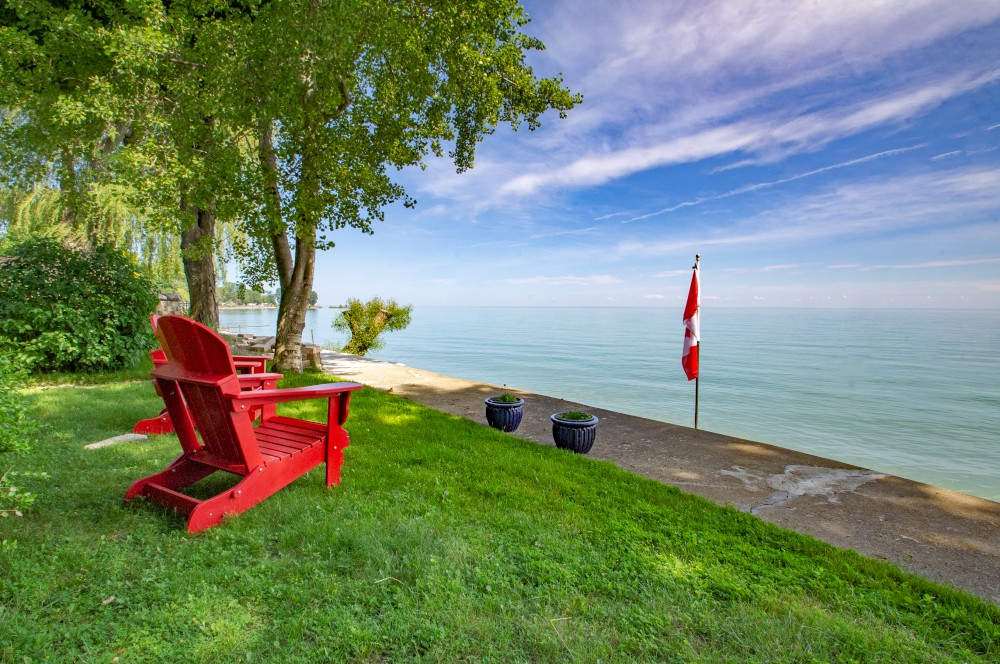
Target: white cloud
x,y
653,296
956,262
565,280
764,185
568,231
674,82
876,205
783,266
770,138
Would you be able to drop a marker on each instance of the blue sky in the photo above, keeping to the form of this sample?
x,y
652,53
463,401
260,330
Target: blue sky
x,y
837,154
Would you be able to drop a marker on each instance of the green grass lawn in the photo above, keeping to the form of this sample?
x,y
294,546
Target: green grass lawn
x,y
445,541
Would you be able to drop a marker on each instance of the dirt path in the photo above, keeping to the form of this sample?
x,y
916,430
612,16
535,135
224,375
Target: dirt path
x,y
937,533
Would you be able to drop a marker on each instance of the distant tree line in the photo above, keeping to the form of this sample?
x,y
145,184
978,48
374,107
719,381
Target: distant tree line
x,y
237,293
230,293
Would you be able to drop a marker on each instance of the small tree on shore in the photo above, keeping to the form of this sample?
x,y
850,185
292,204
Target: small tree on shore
x,y
366,320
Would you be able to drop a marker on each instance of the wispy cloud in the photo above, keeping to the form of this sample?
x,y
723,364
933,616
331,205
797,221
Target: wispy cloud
x,y
873,206
783,266
955,262
565,280
770,138
568,231
945,155
772,183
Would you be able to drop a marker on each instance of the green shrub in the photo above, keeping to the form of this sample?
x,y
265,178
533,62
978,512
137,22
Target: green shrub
x,y
63,309
367,320
16,428
506,397
17,433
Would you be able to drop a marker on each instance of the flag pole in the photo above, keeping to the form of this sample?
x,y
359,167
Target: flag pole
x,y
697,260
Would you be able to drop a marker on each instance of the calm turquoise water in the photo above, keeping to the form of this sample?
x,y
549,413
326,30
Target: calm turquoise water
x,y
913,393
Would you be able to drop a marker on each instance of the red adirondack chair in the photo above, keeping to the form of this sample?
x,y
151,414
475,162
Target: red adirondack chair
x,y
201,388
245,364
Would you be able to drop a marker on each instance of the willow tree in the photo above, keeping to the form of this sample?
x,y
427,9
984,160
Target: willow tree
x,y
61,114
340,94
113,105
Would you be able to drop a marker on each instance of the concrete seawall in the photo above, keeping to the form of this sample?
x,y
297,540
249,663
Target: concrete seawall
x,y
940,534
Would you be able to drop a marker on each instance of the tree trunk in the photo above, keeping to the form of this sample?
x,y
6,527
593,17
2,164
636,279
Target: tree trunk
x,y
199,267
292,310
67,186
295,273
198,248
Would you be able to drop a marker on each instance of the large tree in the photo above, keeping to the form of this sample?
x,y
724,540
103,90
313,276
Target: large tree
x,y
343,93
112,105
62,102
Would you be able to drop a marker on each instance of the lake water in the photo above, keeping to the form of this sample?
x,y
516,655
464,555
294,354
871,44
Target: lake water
x,y
914,393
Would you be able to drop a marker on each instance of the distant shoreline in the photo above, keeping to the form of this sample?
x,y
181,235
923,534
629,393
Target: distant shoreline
x,y
230,307
263,307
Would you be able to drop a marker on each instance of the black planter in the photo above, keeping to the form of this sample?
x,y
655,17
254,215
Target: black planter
x,y
574,435
504,416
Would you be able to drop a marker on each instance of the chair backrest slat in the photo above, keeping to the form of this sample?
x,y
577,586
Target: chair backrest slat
x,y
200,363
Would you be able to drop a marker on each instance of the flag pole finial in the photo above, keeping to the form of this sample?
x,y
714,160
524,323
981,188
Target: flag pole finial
x,y
697,259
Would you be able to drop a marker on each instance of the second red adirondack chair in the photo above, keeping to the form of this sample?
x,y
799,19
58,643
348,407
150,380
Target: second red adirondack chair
x,y
201,388
255,365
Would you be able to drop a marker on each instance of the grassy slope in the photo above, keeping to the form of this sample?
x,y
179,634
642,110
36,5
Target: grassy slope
x,y
446,540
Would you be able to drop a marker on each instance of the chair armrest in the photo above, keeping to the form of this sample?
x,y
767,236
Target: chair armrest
x,y
245,400
257,378
253,363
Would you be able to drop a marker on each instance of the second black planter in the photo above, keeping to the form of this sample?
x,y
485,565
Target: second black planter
x,y
574,435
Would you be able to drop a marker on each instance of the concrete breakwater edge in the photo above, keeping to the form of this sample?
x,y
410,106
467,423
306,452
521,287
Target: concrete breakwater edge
x,y
941,534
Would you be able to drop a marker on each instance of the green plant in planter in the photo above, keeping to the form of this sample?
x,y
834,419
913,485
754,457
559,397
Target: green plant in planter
x,y
574,416
506,397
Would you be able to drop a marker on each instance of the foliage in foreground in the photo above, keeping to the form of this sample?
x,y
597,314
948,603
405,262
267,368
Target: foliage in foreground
x,y
446,541
17,432
64,309
365,321
17,428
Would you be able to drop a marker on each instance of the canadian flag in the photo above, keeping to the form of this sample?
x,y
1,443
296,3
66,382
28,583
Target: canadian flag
x,y
692,328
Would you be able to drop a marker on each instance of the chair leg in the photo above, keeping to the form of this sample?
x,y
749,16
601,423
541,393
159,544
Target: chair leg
x,y
180,473
260,483
336,442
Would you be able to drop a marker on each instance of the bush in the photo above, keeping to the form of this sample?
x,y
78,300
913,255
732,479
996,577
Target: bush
x,y
63,309
366,320
16,428
17,432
